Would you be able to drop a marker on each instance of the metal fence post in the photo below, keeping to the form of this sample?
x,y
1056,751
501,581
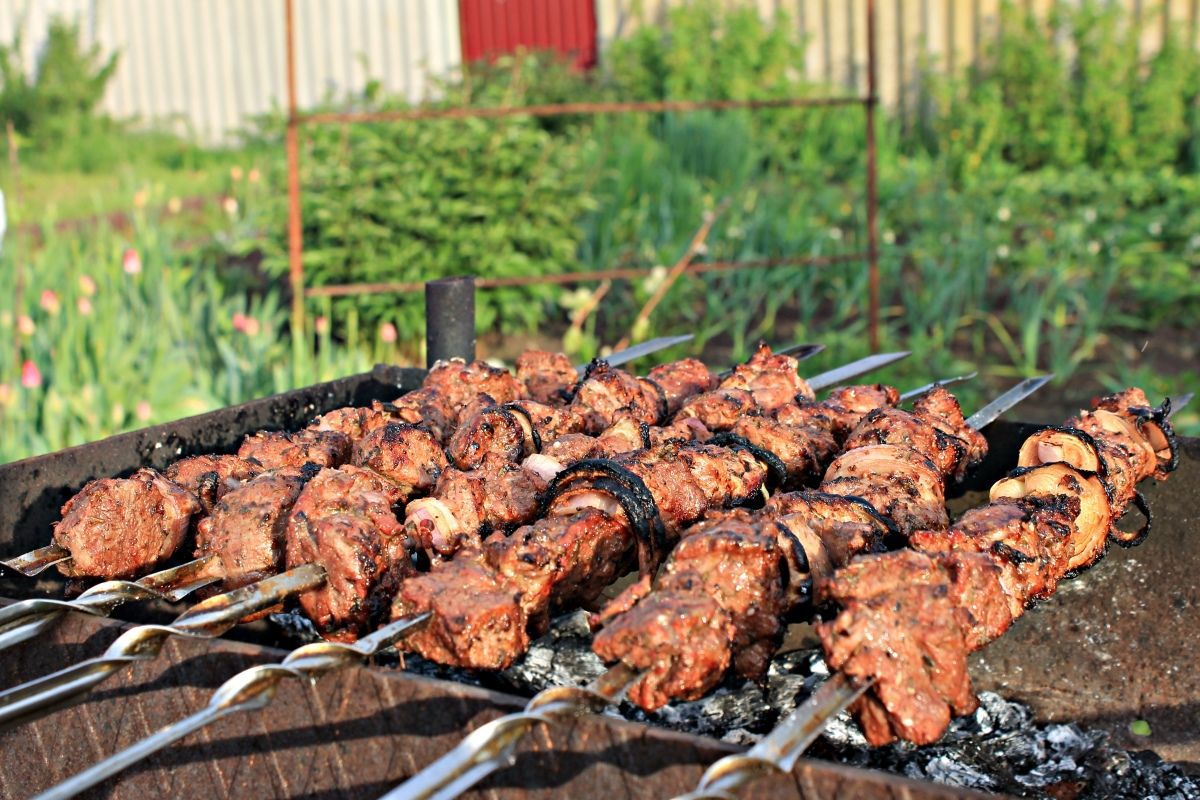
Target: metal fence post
x,y
869,105
295,233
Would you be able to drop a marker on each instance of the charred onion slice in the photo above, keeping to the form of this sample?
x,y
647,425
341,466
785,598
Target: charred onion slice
x,y
533,439
1095,512
776,469
661,396
1155,425
603,475
804,557
1127,539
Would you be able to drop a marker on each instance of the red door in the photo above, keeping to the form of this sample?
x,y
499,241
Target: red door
x,y
495,27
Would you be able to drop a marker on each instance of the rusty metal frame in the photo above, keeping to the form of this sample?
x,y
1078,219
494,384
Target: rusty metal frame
x,y
869,103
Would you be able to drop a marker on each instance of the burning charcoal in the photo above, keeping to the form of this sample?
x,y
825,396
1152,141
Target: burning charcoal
x,y
955,773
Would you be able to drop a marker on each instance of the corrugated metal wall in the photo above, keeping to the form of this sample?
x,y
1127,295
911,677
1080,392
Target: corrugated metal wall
x,y
208,64
491,27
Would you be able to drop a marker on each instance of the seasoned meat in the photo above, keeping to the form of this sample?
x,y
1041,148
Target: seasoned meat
x,y
247,529
466,506
274,450
607,394
1153,425
476,618
547,423
118,528
343,521
429,409
683,430
495,430
459,382
718,410
403,453
571,449
623,436
681,380
546,377
864,531
726,573
727,477
355,422
862,399
679,498
211,477
772,379
900,625
940,408
900,483
894,426
804,451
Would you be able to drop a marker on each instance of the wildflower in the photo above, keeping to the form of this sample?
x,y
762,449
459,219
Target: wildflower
x,y
230,204
174,205
87,285
1155,228
6,394
25,325
321,324
118,414
387,332
131,262
49,302
1002,251
143,411
235,172
140,198
1093,247
239,321
1089,215
889,237
84,305
254,175
31,376
247,325
1003,214
654,280
835,233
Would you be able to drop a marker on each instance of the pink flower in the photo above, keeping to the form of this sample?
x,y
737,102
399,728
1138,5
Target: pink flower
x,y
131,262
84,305
31,376
87,285
387,332
143,411
254,175
25,325
322,325
49,302
235,172
239,321
252,327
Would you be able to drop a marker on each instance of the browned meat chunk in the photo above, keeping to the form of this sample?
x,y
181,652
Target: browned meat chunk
x,y
459,382
547,377
901,484
468,505
727,477
211,477
429,409
571,449
355,422
718,410
547,423
825,507
684,430
405,454
476,621
1155,428
864,398
940,408
274,450
118,528
804,451
607,394
495,430
681,380
772,379
895,426
679,498
343,521
623,436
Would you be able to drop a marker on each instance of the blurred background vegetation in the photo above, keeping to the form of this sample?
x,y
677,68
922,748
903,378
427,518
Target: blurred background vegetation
x,y
1041,212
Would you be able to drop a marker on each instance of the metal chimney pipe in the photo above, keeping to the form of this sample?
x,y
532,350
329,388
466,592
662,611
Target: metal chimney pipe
x,y
450,319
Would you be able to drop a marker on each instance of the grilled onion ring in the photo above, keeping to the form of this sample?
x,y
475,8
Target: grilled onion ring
x,y
776,470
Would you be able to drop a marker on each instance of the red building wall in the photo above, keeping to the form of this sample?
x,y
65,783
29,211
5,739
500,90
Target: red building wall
x,y
495,27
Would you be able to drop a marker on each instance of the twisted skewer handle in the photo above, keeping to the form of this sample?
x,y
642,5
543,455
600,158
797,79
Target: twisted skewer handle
x,y
491,746
36,561
26,619
207,620
249,690
779,750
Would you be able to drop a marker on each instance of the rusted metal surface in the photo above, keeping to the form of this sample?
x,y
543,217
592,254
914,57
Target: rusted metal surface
x,y
870,103
492,28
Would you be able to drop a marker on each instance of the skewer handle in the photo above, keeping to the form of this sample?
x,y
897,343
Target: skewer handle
x,y
207,620
36,561
491,746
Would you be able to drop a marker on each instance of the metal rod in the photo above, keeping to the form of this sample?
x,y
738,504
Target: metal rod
x,y
450,319
28,618
855,368
912,394
869,106
295,231
207,620
625,355
35,561
249,690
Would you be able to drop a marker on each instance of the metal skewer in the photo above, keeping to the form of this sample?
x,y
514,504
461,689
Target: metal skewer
x,y
249,690
913,394
35,561
490,747
640,350
836,377
206,620
800,352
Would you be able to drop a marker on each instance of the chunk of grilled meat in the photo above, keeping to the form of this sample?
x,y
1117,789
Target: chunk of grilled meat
x,y
546,377
772,379
343,521
460,383
805,451
467,505
679,498
718,410
858,528
683,430
571,449
682,380
728,477
902,484
355,422
941,408
211,477
623,436
607,394
514,431
403,453
117,528
247,531
281,449
429,409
